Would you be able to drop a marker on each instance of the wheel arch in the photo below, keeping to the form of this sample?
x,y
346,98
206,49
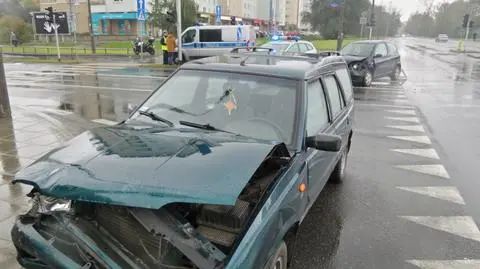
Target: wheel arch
x,y
290,239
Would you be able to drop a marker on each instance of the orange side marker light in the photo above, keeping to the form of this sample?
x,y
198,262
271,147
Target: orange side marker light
x,y
302,187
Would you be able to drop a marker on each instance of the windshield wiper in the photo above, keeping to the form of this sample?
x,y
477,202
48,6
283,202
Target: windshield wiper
x,y
204,127
155,117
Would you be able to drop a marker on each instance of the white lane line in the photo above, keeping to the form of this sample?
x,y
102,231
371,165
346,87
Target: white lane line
x,y
418,139
463,226
427,153
382,105
415,128
406,119
50,85
428,169
446,193
446,264
104,121
403,112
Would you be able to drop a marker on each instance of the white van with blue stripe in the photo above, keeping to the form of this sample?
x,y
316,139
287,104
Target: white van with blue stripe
x,y
212,40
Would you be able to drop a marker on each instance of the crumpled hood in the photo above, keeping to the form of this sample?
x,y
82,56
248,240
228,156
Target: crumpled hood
x,y
351,59
118,165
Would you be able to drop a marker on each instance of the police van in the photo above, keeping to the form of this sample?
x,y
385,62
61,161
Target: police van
x,y
212,40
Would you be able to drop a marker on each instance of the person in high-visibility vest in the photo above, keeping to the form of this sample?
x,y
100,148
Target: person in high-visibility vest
x,y
163,41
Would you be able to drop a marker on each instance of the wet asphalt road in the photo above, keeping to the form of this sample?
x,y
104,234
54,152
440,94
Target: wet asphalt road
x,y
410,200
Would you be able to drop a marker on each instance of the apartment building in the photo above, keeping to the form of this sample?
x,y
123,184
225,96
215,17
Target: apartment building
x,y
303,6
207,6
291,12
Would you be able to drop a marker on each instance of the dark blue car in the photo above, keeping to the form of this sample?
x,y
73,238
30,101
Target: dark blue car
x,y
216,169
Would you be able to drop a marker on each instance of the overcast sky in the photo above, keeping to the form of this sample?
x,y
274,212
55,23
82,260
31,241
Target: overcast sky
x,y
406,7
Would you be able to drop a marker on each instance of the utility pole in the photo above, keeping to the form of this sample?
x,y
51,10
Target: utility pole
x,y
4,99
73,23
179,30
389,18
372,20
340,27
90,28
52,19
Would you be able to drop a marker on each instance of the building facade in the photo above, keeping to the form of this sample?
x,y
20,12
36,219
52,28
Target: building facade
x,y
117,17
78,18
303,6
291,12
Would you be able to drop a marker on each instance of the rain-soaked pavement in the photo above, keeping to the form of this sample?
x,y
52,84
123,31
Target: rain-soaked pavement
x,y
409,200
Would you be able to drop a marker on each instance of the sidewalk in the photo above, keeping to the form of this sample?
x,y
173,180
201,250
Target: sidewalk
x,y
24,138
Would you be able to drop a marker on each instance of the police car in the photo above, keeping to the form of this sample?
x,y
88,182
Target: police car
x,y
289,45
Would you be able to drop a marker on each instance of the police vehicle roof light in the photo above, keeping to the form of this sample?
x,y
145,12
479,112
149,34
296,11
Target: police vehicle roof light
x,y
278,38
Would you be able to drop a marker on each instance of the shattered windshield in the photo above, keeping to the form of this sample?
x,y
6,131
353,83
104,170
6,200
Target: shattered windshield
x,y
249,105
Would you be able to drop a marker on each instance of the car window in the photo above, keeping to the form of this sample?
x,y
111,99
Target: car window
x,y
310,47
293,49
210,35
392,49
189,36
278,47
317,112
334,95
303,47
346,82
250,105
381,49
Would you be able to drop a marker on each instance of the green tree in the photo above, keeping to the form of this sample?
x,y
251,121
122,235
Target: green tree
x,y
421,24
161,8
30,5
387,22
23,30
325,16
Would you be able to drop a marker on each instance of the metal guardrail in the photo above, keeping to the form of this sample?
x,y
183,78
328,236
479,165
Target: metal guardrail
x,y
64,50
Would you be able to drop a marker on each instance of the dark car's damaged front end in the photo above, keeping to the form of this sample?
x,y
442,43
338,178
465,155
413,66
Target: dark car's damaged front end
x,y
359,67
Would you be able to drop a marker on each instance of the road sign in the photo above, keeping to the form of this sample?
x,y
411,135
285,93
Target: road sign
x,y
141,10
44,24
363,20
218,13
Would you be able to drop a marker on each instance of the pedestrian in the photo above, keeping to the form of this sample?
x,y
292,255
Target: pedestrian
x,y
164,47
474,36
13,39
171,45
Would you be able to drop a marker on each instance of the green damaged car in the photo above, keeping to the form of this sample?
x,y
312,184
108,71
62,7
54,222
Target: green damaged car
x,y
216,169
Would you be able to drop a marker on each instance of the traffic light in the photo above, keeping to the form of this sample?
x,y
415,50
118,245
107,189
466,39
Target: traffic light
x,y
465,20
50,14
171,17
233,20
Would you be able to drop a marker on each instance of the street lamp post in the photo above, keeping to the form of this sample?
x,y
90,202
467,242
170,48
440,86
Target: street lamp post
x,y
340,27
4,99
90,26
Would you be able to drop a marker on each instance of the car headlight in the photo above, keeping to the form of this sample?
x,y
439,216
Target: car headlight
x,y
355,66
44,204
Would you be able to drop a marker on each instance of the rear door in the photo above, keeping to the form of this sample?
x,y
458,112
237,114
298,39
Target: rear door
x,y
211,42
339,115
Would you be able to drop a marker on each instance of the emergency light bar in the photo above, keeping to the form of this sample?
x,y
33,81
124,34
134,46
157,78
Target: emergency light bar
x,y
282,38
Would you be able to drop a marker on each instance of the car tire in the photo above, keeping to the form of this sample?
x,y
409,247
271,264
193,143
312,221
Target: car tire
x,y
396,73
367,79
338,174
280,259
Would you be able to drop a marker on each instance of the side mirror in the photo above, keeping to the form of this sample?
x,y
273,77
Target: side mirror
x,y
324,142
378,56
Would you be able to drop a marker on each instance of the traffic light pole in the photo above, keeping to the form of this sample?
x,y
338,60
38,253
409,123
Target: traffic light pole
x,y
56,36
179,29
467,30
90,27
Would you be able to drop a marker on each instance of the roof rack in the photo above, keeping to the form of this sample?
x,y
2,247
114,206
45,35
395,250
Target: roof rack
x,y
321,54
251,49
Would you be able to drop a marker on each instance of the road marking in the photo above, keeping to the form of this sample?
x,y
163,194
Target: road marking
x,y
403,112
446,264
427,153
382,105
406,119
418,139
50,85
104,121
463,226
428,169
415,128
450,194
